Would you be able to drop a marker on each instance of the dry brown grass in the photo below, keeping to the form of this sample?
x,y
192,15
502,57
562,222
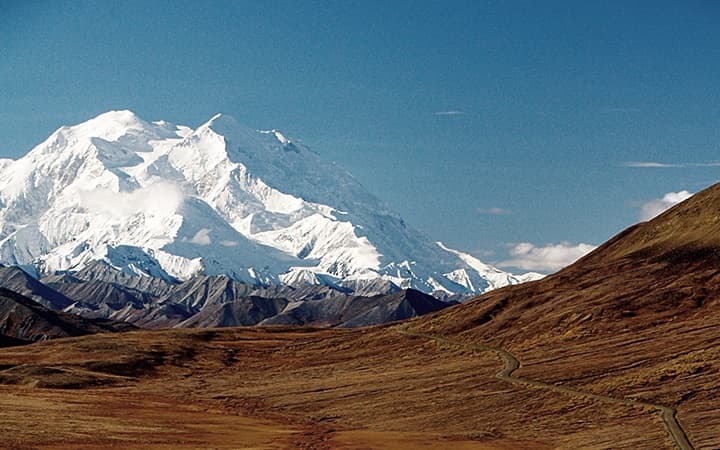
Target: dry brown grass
x,y
256,388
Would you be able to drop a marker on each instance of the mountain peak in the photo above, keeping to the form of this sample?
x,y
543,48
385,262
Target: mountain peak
x,y
118,115
243,202
230,129
123,117
112,125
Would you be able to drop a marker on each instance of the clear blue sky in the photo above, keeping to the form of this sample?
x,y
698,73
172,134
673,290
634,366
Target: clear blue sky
x,y
551,99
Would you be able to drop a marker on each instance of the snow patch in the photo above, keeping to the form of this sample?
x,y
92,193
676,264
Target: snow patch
x,y
202,237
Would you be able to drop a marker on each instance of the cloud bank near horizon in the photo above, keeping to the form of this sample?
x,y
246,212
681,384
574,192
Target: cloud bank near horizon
x,y
657,206
547,258
664,165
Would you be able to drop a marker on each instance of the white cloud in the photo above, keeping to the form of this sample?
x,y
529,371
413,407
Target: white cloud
x,y
650,165
655,207
202,237
159,199
548,258
662,165
452,112
482,253
621,109
494,211
229,243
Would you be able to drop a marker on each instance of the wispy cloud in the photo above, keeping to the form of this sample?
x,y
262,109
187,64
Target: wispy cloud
x,y
483,253
620,109
494,211
657,206
548,258
452,112
662,165
649,164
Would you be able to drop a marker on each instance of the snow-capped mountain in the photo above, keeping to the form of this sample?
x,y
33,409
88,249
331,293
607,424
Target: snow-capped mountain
x,y
167,201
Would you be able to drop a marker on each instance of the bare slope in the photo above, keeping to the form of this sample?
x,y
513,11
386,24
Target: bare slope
x,y
638,318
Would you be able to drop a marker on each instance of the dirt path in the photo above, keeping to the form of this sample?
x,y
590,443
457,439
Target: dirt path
x,y
511,363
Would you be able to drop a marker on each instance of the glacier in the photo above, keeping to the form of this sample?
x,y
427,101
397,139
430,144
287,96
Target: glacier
x,y
168,201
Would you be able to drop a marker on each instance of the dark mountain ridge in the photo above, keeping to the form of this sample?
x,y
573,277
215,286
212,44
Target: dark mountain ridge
x,y
23,319
102,292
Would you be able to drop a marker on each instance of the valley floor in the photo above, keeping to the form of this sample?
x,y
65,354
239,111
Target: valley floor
x,y
219,389
292,388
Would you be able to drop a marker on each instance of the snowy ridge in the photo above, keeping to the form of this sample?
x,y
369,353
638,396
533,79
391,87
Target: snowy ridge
x,y
167,201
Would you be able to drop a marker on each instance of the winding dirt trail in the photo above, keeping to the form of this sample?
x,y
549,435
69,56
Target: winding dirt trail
x,y
511,363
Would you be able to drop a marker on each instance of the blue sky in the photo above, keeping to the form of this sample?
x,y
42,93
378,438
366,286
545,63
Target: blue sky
x,y
485,124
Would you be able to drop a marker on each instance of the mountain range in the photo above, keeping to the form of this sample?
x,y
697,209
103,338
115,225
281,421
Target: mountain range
x,y
170,203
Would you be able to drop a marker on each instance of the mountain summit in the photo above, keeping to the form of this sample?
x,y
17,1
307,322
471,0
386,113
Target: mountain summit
x,y
156,199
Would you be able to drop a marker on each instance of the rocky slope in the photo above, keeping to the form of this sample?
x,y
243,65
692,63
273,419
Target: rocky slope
x,y
354,311
22,319
17,280
220,301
